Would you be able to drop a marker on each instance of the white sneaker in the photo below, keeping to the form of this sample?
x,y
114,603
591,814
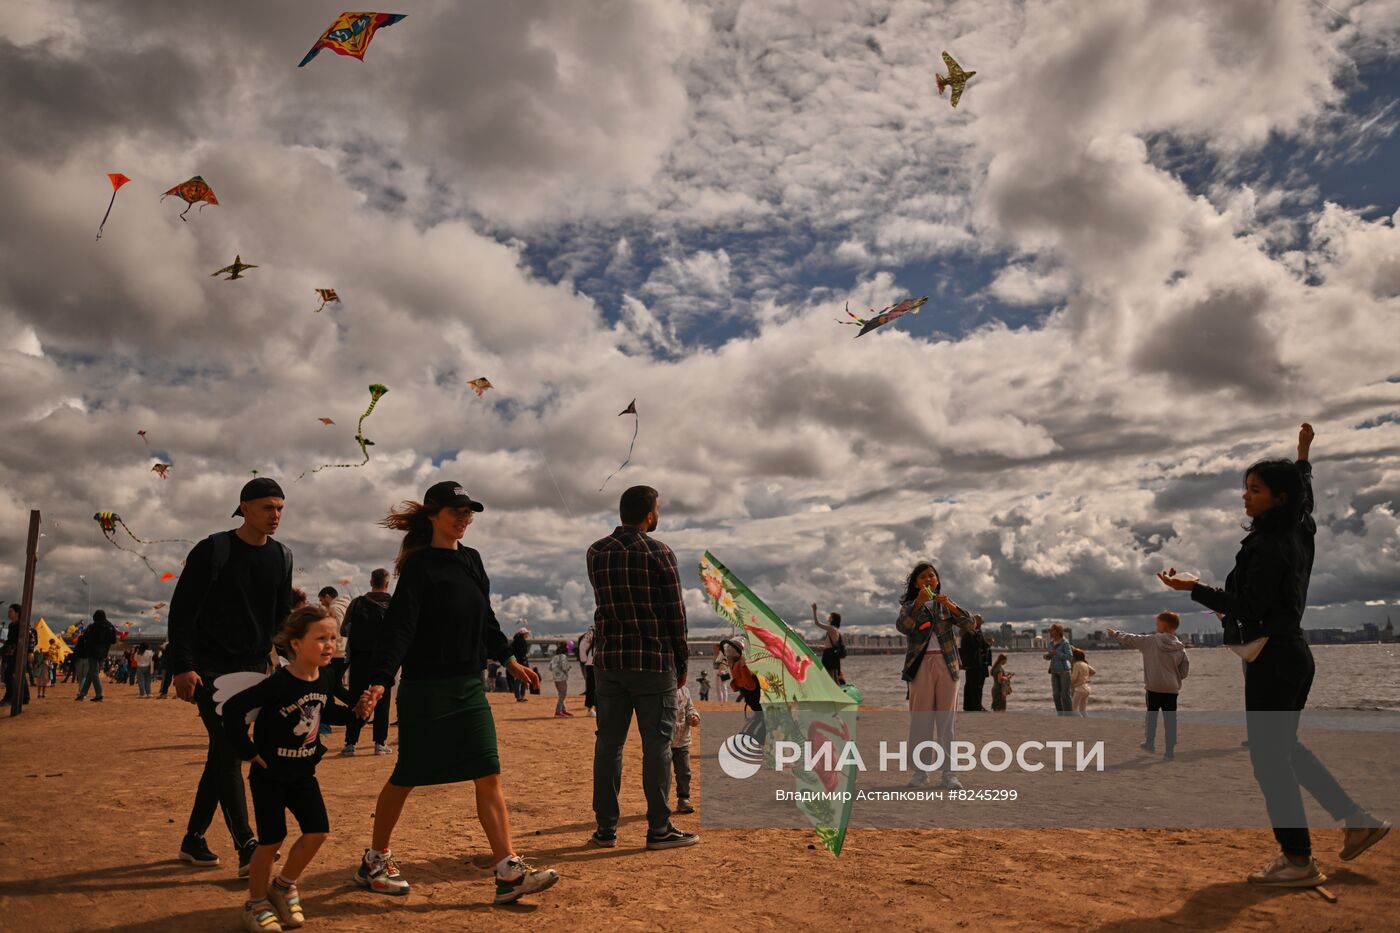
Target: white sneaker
x,y
347,752
951,782
1283,873
593,714
529,881
382,749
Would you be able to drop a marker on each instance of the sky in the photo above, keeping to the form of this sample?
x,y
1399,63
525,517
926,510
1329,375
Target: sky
x,y
1155,238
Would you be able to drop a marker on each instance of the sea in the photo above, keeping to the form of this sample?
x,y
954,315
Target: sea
x,y
1349,677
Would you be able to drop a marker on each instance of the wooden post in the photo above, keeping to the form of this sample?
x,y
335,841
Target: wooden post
x,y
31,560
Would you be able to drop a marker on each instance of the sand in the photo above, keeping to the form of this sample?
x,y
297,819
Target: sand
x,y
95,798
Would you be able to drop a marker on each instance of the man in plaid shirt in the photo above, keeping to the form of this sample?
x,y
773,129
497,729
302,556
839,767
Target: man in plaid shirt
x,y
639,660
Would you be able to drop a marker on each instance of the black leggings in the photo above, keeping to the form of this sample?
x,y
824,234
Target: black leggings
x,y
1276,686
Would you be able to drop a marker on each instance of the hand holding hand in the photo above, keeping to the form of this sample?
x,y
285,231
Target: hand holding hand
x,y
372,695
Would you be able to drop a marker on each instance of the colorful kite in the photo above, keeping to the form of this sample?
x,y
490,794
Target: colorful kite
x,y
167,577
956,78
327,296
142,435
351,33
883,317
479,386
192,192
117,179
631,409
234,270
326,421
801,702
109,522
376,392
163,469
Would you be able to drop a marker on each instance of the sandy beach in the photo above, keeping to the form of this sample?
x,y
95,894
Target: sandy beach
x,y
95,799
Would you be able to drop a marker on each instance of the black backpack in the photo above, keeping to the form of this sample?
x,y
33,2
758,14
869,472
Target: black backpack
x,y
223,548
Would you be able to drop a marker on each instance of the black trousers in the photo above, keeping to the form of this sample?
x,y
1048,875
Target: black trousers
x,y
1276,686
221,782
590,690
1164,703
972,691
359,682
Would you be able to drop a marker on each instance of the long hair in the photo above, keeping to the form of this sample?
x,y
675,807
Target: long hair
x,y
414,519
1283,479
911,586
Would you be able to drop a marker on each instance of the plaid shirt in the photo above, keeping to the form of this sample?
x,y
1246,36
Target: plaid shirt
x,y
639,624
920,626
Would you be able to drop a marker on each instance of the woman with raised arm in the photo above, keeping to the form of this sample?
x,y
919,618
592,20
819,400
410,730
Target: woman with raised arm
x,y
1261,607
930,621
832,647
441,629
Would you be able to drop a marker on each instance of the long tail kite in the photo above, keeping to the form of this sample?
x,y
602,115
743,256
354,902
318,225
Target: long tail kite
x,y
801,702
327,295
893,312
117,179
109,521
192,192
631,409
376,392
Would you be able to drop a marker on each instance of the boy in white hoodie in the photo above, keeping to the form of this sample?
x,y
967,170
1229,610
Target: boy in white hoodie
x,y
1164,667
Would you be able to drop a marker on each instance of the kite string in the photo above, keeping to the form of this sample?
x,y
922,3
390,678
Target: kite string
x,y
550,471
630,447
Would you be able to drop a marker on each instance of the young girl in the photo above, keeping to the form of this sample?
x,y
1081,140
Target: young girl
x,y
559,670
686,719
1080,672
39,665
1001,684
284,750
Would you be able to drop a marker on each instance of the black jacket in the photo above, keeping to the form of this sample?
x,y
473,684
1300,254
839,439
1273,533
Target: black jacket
x,y
364,623
440,623
97,640
1267,591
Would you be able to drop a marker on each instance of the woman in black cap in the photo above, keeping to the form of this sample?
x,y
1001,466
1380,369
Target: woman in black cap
x,y
441,629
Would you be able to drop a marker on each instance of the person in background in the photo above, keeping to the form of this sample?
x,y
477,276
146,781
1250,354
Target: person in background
x,y
1164,666
520,648
585,658
1061,659
559,670
972,654
14,653
703,682
833,648
145,659
39,663
686,719
1001,684
168,671
1081,672
364,619
721,667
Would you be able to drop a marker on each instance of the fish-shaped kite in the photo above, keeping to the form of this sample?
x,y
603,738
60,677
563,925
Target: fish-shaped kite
x,y
376,392
327,295
883,317
351,33
234,270
192,192
163,469
956,78
631,409
117,179
479,386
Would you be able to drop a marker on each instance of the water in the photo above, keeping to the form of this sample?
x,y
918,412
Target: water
x,y
1348,677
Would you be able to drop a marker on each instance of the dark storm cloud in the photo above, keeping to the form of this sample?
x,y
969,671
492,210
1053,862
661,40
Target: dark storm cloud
x,y
1219,342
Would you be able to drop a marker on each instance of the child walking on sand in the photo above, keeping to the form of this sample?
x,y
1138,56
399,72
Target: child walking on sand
x,y
559,670
1164,667
1080,673
686,717
285,747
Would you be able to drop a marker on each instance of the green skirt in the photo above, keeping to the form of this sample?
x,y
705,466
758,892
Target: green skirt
x,y
446,732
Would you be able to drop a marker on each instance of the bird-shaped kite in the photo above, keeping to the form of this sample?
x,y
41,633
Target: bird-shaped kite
x,y
235,270
326,421
109,522
631,409
142,435
351,33
883,317
192,192
163,469
327,295
479,386
117,179
376,392
956,78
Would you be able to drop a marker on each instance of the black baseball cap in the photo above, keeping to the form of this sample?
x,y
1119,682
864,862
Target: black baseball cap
x,y
451,495
261,488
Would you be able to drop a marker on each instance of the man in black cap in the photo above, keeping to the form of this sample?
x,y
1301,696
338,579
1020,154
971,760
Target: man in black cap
x,y
236,589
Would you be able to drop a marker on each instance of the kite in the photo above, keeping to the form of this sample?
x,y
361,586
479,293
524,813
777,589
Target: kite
x,y
631,409
235,271
801,702
192,192
142,435
376,392
167,577
884,316
327,295
117,179
163,469
326,421
158,606
479,386
956,78
350,34
109,522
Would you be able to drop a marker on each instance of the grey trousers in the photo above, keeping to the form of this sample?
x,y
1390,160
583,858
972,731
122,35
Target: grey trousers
x,y
652,696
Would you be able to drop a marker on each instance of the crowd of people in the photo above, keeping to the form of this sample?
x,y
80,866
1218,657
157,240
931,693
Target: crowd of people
x,y
437,644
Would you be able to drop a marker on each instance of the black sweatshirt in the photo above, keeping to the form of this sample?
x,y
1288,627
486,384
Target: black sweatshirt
x,y
364,620
1267,591
440,622
287,732
228,626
